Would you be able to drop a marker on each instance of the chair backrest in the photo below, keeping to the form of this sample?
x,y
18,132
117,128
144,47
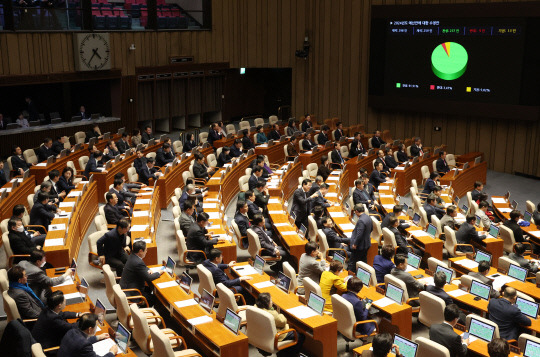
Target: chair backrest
x,y
30,156
370,143
431,309
466,280
132,174
243,183
80,137
244,125
37,350
230,128
417,204
508,238
437,223
30,200
71,165
504,262
226,300
450,241
423,217
110,282
260,329
175,202
523,339
530,206
177,146
451,160
122,306
236,231
433,262
311,286
258,121
484,320
141,330
389,278
323,243
389,238
426,347
376,232
4,283
206,280
185,176
414,184
181,246
203,138
211,160
343,312
10,307
177,192
272,119
10,165
300,144
370,269
83,160
434,165
291,273
151,155
7,245
425,172
92,240
312,229
312,169
469,201
344,151
254,243
176,212
100,223
162,343
409,151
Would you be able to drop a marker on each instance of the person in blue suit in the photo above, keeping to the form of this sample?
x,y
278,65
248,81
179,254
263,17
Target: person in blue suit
x,y
78,341
361,310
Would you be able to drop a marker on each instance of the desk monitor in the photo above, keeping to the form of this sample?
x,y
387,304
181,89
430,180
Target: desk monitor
x,y
293,215
339,258
517,272
76,118
77,147
185,282
283,282
363,275
258,264
121,131
532,349
431,230
169,267
232,321
507,196
416,219
316,303
64,153
151,142
118,158
56,120
162,138
407,348
83,288
477,160
107,136
92,142
404,208
527,307
139,147
122,337
478,220
493,231
302,231
456,200
100,311
26,174
514,204
51,159
481,330
207,301
73,265
466,166
480,289
527,216
465,209
447,271
394,293
95,115
414,260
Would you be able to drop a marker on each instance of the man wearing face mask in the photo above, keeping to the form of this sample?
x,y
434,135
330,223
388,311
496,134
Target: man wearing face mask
x,y
38,280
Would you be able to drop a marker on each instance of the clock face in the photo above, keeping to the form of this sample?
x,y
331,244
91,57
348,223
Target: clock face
x,y
94,52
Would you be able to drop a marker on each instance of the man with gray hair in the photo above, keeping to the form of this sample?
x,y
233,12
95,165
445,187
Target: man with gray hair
x,y
190,193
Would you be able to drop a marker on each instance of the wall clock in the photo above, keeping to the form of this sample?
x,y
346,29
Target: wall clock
x,y
92,51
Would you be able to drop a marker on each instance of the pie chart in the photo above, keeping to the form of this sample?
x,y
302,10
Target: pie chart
x,y
449,60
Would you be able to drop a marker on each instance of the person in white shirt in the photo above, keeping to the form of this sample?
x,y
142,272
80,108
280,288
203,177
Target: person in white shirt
x,y
22,121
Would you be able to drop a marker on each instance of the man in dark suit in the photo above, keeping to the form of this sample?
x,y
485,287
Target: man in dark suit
x,y
236,149
82,113
413,286
507,315
269,246
376,140
262,196
247,143
274,133
439,279
396,211
300,203
224,157
199,169
477,191
147,135
361,310
356,146
33,114
21,243
45,150
336,157
136,273
320,199
307,144
164,155
377,177
215,266
57,146
198,238
361,237
333,239
93,163
291,148
401,241
93,133
323,135
517,256
483,270
28,303
112,213
54,177
256,174
78,341
512,224
110,152
124,197
416,148
139,162
381,159
18,162
112,247
242,220
3,176
383,263
467,233
190,193
360,195
51,325
442,166
123,143
389,159
42,213
214,133
338,133
306,124
148,172
445,335
432,209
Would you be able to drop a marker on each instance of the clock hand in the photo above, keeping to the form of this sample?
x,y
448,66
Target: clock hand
x,y
91,58
96,53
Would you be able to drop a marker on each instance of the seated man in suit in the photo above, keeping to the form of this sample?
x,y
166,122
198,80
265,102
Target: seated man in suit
x,y
52,325
147,135
124,197
253,209
356,146
110,152
260,161
18,162
401,241
139,162
186,218
301,201
214,133
224,157
333,239
37,236
28,303
269,246
445,335
38,280
361,310
54,177
517,256
198,238
505,313
431,208
215,266
236,149
431,182
291,147
481,274
123,143
256,174
376,141
42,213
20,242
413,286
512,224
396,211
306,124
3,175
485,222
320,199
242,220
323,135
477,191
274,133
113,248
467,233
190,193
498,347
416,148
58,145
383,263
360,195
389,159
93,133
307,144
262,196
149,172
93,163
200,170
337,159
377,177
311,265
45,150
247,143
338,133
164,155
449,218
136,273
112,213
78,341
381,158
127,188
439,281
316,185
442,166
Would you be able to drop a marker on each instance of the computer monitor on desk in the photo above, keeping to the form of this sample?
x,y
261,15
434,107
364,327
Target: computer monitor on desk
x,y
480,290
258,264
169,267
363,275
514,204
339,258
206,301
407,348
431,230
493,231
481,330
481,256
527,216
447,271
527,307
316,303
416,219
122,337
283,282
532,349
394,293
414,260
185,282
232,321
517,272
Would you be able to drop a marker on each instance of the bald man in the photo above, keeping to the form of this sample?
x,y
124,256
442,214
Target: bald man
x,y
505,313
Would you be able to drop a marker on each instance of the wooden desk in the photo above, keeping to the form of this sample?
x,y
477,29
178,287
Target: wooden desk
x,y
212,338
359,350
150,219
354,164
307,159
404,177
433,247
464,181
275,153
479,347
224,142
19,196
320,331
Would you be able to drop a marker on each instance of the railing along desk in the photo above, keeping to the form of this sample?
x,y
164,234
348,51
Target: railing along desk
x,y
16,196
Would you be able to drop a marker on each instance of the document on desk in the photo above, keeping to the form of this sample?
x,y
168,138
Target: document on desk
x,y
302,312
144,201
74,193
410,268
535,233
184,303
211,200
274,200
331,195
467,263
146,193
101,348
200,320
282,225
74,296
420,233
167,284
213,215
141,214
57,227
66,204
333,178
385,196
309,152
346,226
244,270
139,228
276,212
54,242
67,281
263,284
337,214
498,200
42,164
499,281
63,215
347,234
505,210
388,206
156,269
384,302
399,168
384,187
427,281
210,205
457,292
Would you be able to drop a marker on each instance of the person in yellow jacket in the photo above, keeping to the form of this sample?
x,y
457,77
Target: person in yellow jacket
x,y
332,283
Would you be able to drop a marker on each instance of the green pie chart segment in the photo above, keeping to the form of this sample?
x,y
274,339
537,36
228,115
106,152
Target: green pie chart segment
x,y
449,60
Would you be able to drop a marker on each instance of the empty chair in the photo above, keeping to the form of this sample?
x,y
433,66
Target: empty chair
x,y
312,169
80,137
272,119
211,160
311,286
451,244
261,331
312,229
178,146
530,206
227,299
425,173
230,128
389,238
507,236
431,309
141,331
343,312
244,125
203,138
163,346
176,212
110,281
433,262
101,223
426,347
504,263
83,160
132,175
123,311
258,121
30,156
93,257
151,155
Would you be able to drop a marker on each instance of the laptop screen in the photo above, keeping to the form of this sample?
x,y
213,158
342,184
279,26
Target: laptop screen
x,y
122,337
232,321
532,349
407,348
258,264
207,301
493,231
100,311
302,231
527,216
416,219
432,230
464,208
507,195
414,260
404,208
283,282
517,272
185,282
169,267
481,256
529,308
73,265
478,221
514,204
480,289
339,258
447,271
363,275
293,216
394,293
316,303
481,330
